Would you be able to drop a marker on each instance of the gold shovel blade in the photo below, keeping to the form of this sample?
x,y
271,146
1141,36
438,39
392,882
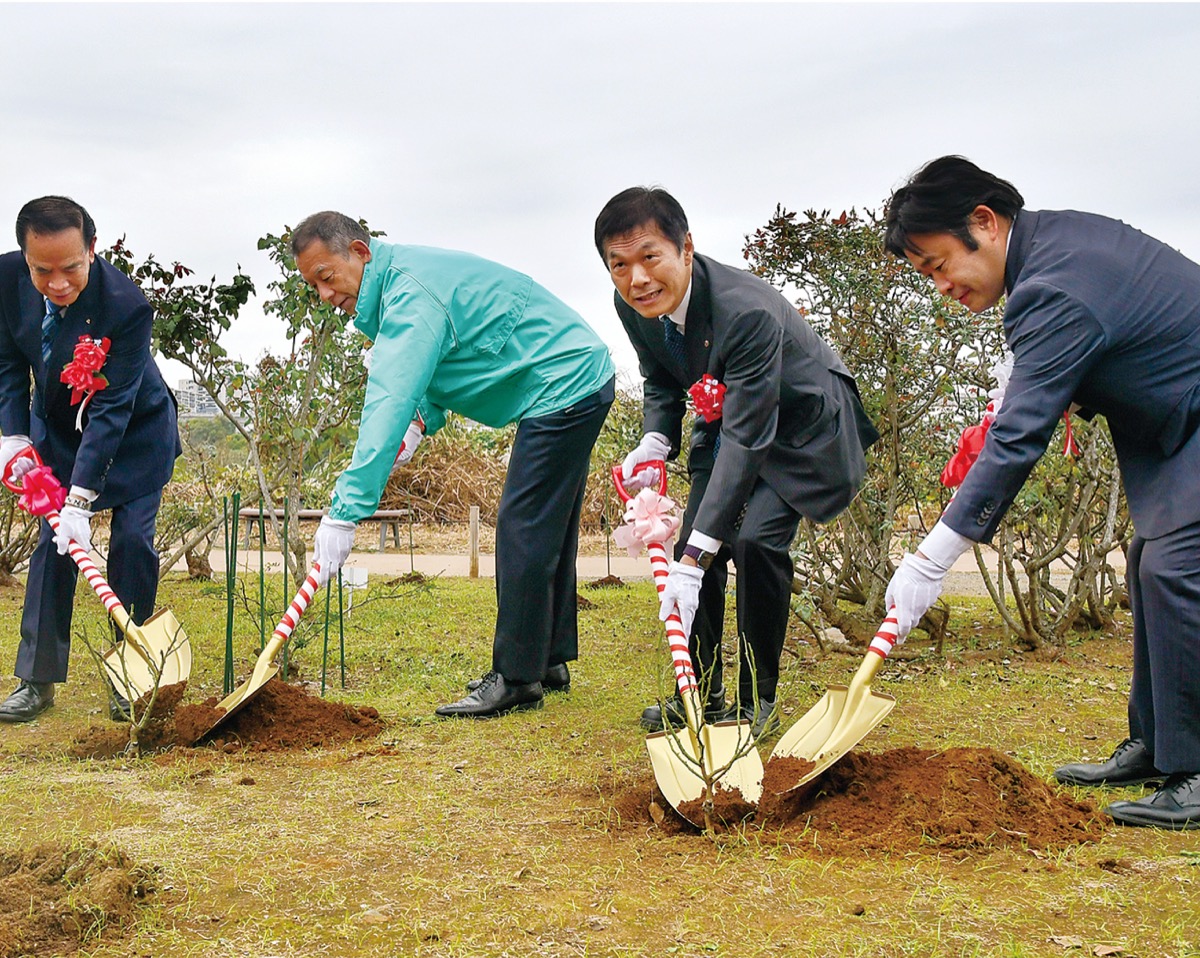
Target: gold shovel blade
x,y
675,757
840,720
161,645
264,670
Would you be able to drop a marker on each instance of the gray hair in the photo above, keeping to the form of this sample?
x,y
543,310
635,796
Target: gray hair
x,y
336,230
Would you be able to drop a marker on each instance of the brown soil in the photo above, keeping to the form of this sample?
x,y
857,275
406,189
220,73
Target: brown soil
x,y
279,717
607,582
53,899
909,799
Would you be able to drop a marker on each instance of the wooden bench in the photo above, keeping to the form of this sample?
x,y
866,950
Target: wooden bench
x,y
389,521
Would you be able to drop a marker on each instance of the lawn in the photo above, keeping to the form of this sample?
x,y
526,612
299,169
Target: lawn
x,y
453,838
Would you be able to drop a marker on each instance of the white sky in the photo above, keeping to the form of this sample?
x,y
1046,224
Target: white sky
x,y
502,129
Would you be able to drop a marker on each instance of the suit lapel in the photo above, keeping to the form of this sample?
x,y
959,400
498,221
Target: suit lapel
x,y
29,333
697,339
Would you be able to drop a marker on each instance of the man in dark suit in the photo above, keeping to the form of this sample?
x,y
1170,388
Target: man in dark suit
x,y
789,440
114,445
1101,317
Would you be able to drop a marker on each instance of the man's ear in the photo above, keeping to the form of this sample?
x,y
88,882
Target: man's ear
x,y
361,250
986,220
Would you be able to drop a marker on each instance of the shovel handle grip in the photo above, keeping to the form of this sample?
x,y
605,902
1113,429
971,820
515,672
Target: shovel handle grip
x,y
301,602
94,578
885,638
619,477
27,453
681,658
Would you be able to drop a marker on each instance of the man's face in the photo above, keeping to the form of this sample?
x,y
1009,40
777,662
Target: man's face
x,y
974,277
336,278
59,264
650,273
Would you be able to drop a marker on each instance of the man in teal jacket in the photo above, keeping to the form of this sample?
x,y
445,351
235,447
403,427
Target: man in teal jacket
x,y
456,332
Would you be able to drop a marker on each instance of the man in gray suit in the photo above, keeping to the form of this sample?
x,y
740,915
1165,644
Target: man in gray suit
x,y
788,442
1101,316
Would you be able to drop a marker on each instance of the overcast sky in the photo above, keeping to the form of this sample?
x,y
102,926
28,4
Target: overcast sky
x,y
502,129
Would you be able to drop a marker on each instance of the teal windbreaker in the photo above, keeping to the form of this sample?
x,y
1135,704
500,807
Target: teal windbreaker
x,y
453,331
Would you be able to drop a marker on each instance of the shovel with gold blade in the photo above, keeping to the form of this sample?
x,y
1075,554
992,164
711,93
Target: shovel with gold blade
x,y
265,668
844,716
154,654
724,752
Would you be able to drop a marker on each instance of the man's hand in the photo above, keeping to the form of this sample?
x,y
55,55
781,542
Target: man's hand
x,y
74,525
335,539
914,588
10,448
412,438
654,445
682,591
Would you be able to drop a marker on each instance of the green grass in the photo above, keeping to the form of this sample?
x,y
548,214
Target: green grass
x,y
497,838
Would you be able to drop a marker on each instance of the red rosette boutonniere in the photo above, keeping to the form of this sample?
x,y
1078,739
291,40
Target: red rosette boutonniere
x,y
708,396
83,374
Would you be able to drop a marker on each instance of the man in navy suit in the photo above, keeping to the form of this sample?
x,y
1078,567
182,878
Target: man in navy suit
x,y
115,447
1102,318
789,440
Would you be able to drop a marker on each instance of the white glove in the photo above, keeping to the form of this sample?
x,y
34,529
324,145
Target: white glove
x,y
654,445
335,539
10,448
914,588
412,439
682,591
918,581
74,525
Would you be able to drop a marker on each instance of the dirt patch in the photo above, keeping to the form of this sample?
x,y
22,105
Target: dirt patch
x,y
607,582
908,799
409,578
280,717
583,604
54,899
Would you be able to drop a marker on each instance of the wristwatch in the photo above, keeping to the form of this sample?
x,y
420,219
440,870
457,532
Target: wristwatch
x,y
703,559
78,502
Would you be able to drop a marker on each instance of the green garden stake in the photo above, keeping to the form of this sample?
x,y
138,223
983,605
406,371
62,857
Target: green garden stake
x,y
341,629
325,647
262,580
228,679
412,562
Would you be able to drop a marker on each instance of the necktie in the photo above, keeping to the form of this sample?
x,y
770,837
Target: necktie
x,y
49,330
674,340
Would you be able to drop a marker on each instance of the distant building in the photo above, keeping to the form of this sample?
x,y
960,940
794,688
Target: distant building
x,y
194,400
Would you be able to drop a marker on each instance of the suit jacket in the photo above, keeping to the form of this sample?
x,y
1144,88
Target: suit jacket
x,y
130,436
1102,315
792,415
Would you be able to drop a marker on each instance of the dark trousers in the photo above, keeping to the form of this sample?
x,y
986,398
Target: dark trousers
x,y
537,539
761,553
1164,595
50,589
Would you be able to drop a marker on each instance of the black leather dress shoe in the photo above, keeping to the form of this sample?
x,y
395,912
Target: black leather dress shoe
x,y
29,701
556,679
118,707
1129,764
494,697
765,721
1175,806
652,716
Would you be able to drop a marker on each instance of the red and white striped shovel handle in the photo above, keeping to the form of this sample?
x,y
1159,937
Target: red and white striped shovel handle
x,y
301,602
885,638
681,659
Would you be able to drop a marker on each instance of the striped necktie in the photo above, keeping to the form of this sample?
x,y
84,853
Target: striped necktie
x,y
50,329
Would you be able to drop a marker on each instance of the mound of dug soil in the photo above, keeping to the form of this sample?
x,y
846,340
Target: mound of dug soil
x,y
908,799
279,717
54,899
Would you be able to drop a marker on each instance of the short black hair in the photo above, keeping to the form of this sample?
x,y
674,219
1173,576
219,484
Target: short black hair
x,y
53,214
939,198
336,230
641,206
